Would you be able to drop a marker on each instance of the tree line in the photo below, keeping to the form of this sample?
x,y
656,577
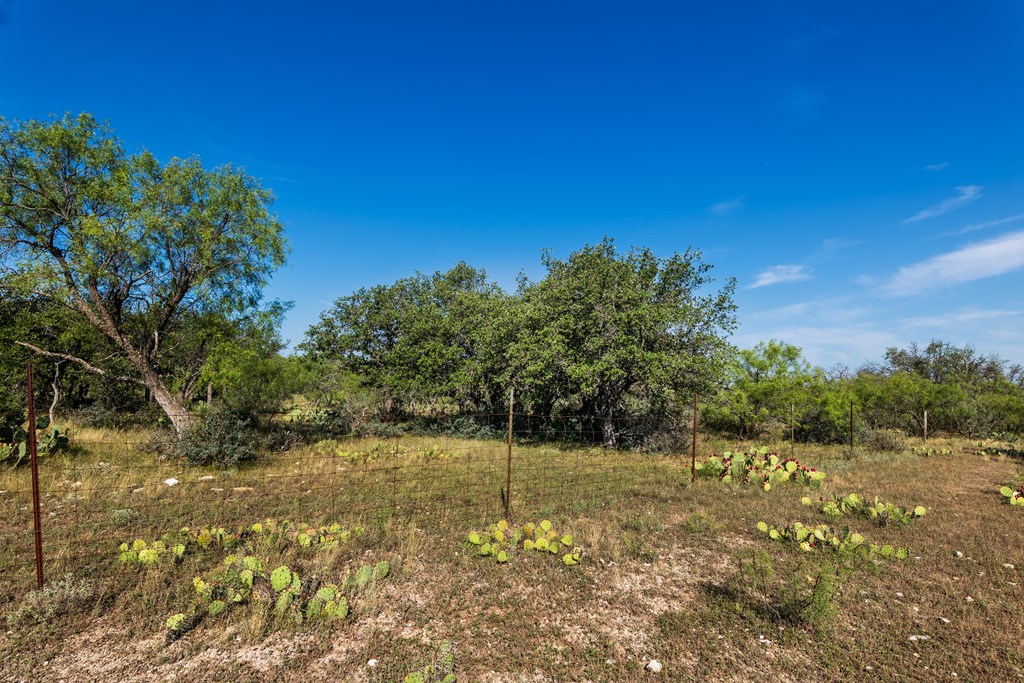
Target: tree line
x,y
136,286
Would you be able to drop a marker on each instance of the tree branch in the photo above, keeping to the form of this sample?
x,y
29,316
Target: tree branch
x,y
85,364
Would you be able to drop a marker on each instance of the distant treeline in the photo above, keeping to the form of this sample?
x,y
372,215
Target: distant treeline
x,y
621,342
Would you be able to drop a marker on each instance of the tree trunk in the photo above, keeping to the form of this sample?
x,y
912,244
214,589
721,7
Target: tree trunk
x,y
168,402
608,431
158,391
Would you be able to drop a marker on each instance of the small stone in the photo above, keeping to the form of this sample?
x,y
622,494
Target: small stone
x,y
171,482
970,599
944,620
140,490
654,666
916,638
1005,566
243,489
868,667
372,663
899,595
957,553
77,485
208,477
217,490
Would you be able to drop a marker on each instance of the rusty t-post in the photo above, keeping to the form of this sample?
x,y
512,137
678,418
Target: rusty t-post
x,y
34,464
792,430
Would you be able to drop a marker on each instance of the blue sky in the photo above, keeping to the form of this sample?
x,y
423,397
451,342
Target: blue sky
x,y
858,167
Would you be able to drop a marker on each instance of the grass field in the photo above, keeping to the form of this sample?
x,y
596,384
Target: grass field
x,y
670,570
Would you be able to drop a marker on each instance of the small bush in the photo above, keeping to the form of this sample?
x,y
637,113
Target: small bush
x,y
57,599
222,440
885,440
125,516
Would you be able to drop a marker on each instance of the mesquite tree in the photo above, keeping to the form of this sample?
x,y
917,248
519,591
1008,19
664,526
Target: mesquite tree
x,y
129,244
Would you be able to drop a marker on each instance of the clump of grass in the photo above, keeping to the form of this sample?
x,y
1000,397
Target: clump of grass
x,y
57,599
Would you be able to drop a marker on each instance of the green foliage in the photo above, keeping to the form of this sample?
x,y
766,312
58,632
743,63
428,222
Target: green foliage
x,y
441,668
261,536
1013,496
243,578
603,334
52,601
850,546
222,440
759,466
929,451
138,246
501,542
48,442
879,512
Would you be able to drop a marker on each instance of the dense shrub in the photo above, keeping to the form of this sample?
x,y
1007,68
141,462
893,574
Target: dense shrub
x,y
223,439
885,440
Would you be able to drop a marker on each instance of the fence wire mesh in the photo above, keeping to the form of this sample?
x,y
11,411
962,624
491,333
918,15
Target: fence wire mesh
x,y
111,487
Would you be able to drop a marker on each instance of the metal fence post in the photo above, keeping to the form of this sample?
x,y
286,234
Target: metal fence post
x,y
508,472
851,427
34,463
792,430
693,446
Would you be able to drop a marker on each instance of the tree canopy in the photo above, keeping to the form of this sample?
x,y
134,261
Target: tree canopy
x,y
602,334
131,245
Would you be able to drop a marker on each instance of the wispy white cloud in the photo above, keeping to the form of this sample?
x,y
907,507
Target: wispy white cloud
x,y
728,207
965,317
779,274
990,224
936,167
966,195
973,262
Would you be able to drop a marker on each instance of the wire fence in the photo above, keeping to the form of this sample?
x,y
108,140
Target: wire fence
x,y
70,510
110,487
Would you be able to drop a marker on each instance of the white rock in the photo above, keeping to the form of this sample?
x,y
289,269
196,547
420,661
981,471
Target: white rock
x,y
899,595
970,599
171,482
654,666
944,620
372,663
208,477
916,638
1005,566
957,553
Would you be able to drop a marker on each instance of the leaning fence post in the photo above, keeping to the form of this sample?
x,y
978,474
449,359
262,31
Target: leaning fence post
x,y
34,464
926,426
508,472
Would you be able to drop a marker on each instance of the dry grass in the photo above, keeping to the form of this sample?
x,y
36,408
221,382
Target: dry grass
x,y
659,580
